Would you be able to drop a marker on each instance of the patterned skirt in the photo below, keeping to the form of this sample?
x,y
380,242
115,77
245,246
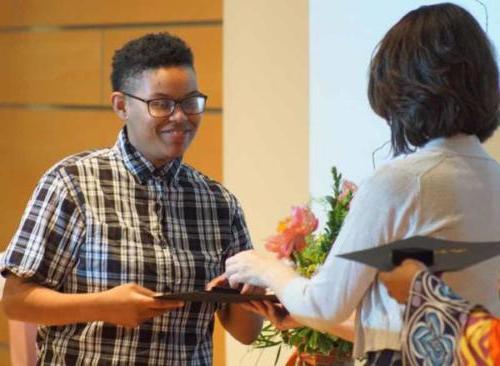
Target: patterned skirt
x,y
443,329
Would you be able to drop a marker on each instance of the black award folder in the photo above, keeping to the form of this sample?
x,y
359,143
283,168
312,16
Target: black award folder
x,y
217,294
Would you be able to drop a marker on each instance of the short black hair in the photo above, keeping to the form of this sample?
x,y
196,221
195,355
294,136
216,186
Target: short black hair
x,y
151,51
434,75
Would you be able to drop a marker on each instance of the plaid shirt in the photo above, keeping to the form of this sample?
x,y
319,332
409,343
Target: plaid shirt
x,y
105,218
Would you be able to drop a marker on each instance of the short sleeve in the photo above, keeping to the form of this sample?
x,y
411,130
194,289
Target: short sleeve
x,y
240,237
45,246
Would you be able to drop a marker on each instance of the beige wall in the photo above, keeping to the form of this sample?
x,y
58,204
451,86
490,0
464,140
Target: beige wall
x,y
266,124
493,145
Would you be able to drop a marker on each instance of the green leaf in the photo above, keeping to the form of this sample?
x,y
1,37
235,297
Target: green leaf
x,y
277,356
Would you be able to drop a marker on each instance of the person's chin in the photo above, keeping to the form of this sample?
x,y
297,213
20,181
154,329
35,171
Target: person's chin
x,y
175,152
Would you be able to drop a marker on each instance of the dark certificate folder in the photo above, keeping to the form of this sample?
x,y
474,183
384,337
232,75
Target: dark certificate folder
x,y
217,294
438,254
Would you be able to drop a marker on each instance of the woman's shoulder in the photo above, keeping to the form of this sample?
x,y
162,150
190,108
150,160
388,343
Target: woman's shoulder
x,y
391,176
406,168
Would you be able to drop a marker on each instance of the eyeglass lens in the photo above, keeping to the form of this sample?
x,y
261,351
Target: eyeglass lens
x,y
165,107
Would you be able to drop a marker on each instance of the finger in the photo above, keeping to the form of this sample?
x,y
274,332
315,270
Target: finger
x,y
252,289
141,290
217,281
261,308
270,308
165,304
273,313
247,289
279,306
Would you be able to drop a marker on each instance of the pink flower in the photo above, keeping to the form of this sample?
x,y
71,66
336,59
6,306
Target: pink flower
x,y
280,245
347,187
303,221
292,232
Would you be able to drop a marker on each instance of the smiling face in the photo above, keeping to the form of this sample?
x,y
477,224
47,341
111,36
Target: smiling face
x,y
160,140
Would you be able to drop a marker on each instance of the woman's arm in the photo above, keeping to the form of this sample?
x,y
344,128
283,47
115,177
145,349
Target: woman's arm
x,y
382,211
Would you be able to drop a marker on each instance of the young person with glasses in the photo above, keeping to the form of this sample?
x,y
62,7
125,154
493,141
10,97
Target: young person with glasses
x,y
106,230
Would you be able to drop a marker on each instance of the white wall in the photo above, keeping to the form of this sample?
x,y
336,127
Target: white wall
x,y
343,129
265,120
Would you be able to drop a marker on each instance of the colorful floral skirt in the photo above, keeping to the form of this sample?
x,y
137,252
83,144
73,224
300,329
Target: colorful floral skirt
x,y
443,329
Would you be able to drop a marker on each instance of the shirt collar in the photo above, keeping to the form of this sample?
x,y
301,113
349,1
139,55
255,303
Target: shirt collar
x,y
139,166
461,144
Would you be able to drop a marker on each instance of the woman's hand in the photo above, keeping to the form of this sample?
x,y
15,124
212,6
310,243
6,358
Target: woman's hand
x,y
250,267
222,281
399,280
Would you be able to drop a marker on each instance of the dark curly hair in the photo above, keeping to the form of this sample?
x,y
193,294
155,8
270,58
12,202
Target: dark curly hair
x,y
150,51
434,75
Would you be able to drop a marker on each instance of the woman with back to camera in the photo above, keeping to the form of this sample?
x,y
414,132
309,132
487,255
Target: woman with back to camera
x,y
434,79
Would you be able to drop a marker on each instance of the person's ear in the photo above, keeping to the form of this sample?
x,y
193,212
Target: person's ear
x,y
119,105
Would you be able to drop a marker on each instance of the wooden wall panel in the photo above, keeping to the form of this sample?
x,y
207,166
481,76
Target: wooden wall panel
x,y
4,354
69,72
9,15
205,41
32,141
50,67
74,12
205,153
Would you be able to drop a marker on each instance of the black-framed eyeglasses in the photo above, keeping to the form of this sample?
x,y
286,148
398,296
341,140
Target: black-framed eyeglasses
x,y
164,107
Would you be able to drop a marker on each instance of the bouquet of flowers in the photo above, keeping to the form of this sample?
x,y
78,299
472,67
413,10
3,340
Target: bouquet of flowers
x,y
296,241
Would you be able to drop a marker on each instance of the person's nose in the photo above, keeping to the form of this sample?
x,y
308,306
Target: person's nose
x,y
178,114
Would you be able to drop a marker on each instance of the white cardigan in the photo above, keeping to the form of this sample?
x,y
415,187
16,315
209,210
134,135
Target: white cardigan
x,y
448,189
